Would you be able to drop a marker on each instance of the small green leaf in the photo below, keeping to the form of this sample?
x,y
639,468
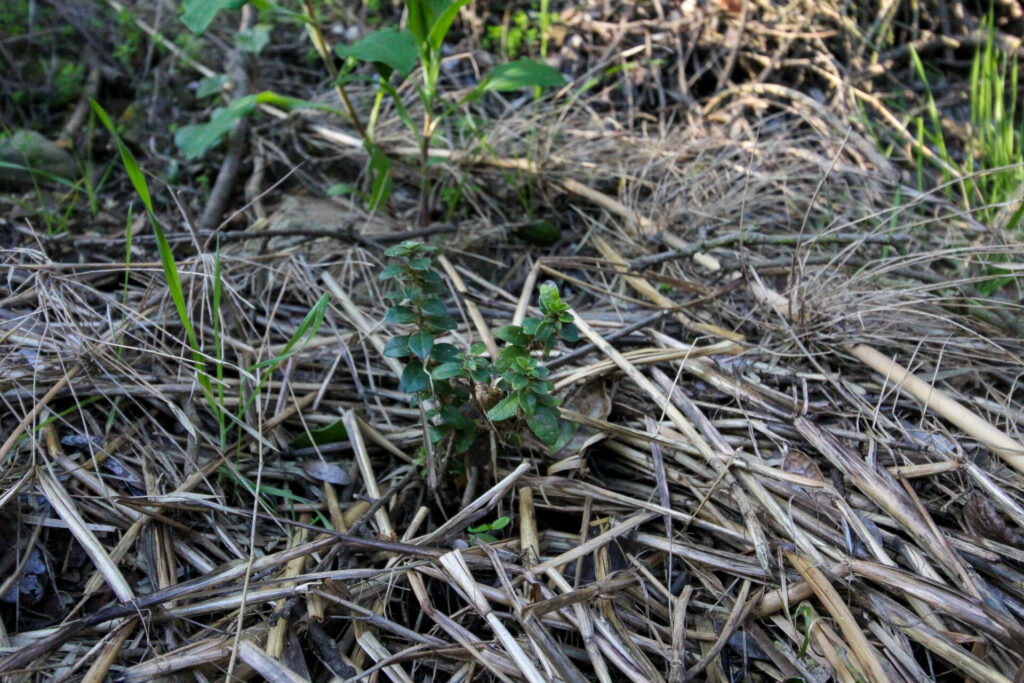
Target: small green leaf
x,y
419,20
433,306
403,249
400,315
397,347
414,378
447,371
544,423
513,334
211,85
505,408
444,353
422,263
253,39
528,402
443,22
421,343
388,50
440,323
508,355
332,433
195,140
500,523
391,271
530,325
520,74
478,348
199,13
570,333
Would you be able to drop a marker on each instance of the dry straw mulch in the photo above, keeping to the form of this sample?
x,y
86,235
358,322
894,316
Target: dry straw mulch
x,y
799,457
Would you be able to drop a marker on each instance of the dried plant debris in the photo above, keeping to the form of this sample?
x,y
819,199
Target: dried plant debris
x,y
786,373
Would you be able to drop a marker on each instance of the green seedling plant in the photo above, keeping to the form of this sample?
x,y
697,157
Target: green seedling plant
x,y
523,379
212,388
457,383
482,533
432,368
392,51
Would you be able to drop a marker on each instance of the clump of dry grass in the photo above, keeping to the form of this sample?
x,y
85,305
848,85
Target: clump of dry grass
x,y
757,490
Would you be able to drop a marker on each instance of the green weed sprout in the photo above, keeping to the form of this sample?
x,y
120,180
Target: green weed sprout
x,y
482,533
450,379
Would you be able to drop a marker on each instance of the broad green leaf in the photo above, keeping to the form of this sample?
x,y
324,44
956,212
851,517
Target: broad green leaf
x,y
199,13
504,409
433,306
513,334
414,378
393,50
500,523
195,140
253,39
400,315
444,353
403,249
544,423
570,333
447,371
211,85
440,323
332,433
422,263
508,355
392,270
522,73
443,22
421,343
419,20
397,347
530,325
528,402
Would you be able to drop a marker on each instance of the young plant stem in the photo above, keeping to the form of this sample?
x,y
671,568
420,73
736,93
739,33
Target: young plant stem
x,y
424,170
317,36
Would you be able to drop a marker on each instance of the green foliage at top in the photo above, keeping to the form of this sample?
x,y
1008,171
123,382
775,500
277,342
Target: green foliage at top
x,y
390,51
438,371
992,172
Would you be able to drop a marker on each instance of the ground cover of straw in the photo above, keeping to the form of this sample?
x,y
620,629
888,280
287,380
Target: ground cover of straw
x,y
799,451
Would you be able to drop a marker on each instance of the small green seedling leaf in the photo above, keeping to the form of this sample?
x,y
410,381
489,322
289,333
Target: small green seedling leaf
x,y
253,39
520,74
400,315
195,140
447,371
332,433
504,409
388,50
544,423
211,85
513,334
397,347
443,22
414,378
199,13
420,344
